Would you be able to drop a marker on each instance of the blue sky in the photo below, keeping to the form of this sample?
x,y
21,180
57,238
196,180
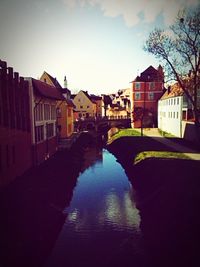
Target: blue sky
x,y
96,44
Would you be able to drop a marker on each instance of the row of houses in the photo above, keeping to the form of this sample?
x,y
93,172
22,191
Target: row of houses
x,y
155,106
36,114
33,115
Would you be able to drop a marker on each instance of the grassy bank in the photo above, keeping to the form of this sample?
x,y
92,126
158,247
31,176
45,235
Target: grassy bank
x,y
159,155
129,148
123,133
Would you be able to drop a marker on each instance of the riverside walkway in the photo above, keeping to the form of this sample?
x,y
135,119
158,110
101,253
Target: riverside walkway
x,y
154,133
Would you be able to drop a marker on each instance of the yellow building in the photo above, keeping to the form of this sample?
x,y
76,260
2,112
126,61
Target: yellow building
x,y
65,120
85,106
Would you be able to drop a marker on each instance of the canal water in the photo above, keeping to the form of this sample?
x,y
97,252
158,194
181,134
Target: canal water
x,y
102,225
80,209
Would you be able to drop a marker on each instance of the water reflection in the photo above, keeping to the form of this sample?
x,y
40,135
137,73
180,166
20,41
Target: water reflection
x,y
122,212
103,224
52,218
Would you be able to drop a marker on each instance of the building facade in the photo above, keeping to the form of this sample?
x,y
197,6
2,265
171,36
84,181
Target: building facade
x,y
146,91
173,109
85,106
98,101
43,103
15,133
64,108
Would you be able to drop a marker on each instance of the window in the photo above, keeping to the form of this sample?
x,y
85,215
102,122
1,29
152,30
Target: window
x,y
177,115
53,112
174,101
39,112
151,85
151,96
58,113
177,101
50,130
137,86
137,96
39,133
46,111
88,106
81,106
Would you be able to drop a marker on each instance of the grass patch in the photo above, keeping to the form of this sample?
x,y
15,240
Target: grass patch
x,y
159,154
123,133
165,134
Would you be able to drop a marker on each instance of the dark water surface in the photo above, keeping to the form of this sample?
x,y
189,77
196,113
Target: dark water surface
x,y
67,214
102,227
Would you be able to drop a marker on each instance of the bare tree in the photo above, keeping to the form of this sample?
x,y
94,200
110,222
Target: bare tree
x,y
179,48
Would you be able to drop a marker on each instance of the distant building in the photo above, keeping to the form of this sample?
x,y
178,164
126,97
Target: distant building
x,y
85,106
146,91
121,103
106,102
15,134
98,101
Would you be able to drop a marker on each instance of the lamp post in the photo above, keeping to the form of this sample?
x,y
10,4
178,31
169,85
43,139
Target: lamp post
x,y
143,111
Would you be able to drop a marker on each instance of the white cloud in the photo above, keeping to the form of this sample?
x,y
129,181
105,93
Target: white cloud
x,y
130,9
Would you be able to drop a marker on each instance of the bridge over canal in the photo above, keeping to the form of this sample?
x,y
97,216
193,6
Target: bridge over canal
x,y
102,124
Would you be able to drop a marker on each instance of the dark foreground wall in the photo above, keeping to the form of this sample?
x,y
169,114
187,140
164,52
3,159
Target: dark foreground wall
x,y
168,198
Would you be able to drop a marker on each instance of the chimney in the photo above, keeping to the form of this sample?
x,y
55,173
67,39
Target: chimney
x,y
160,73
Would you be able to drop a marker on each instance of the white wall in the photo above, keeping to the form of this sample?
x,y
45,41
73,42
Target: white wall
x,y
170,115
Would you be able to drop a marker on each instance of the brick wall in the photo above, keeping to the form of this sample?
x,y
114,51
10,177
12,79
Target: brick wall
x,y
15,136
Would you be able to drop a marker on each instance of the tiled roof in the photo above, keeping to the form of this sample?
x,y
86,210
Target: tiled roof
x,y
149,75
95,97
89,97
54,80
72,96
46,90
107,99
173,91
65,91
149,70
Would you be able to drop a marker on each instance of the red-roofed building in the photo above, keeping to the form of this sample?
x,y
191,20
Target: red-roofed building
x,y
43,102
146,91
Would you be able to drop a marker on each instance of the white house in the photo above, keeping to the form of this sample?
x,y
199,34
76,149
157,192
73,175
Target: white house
x,y
173,109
